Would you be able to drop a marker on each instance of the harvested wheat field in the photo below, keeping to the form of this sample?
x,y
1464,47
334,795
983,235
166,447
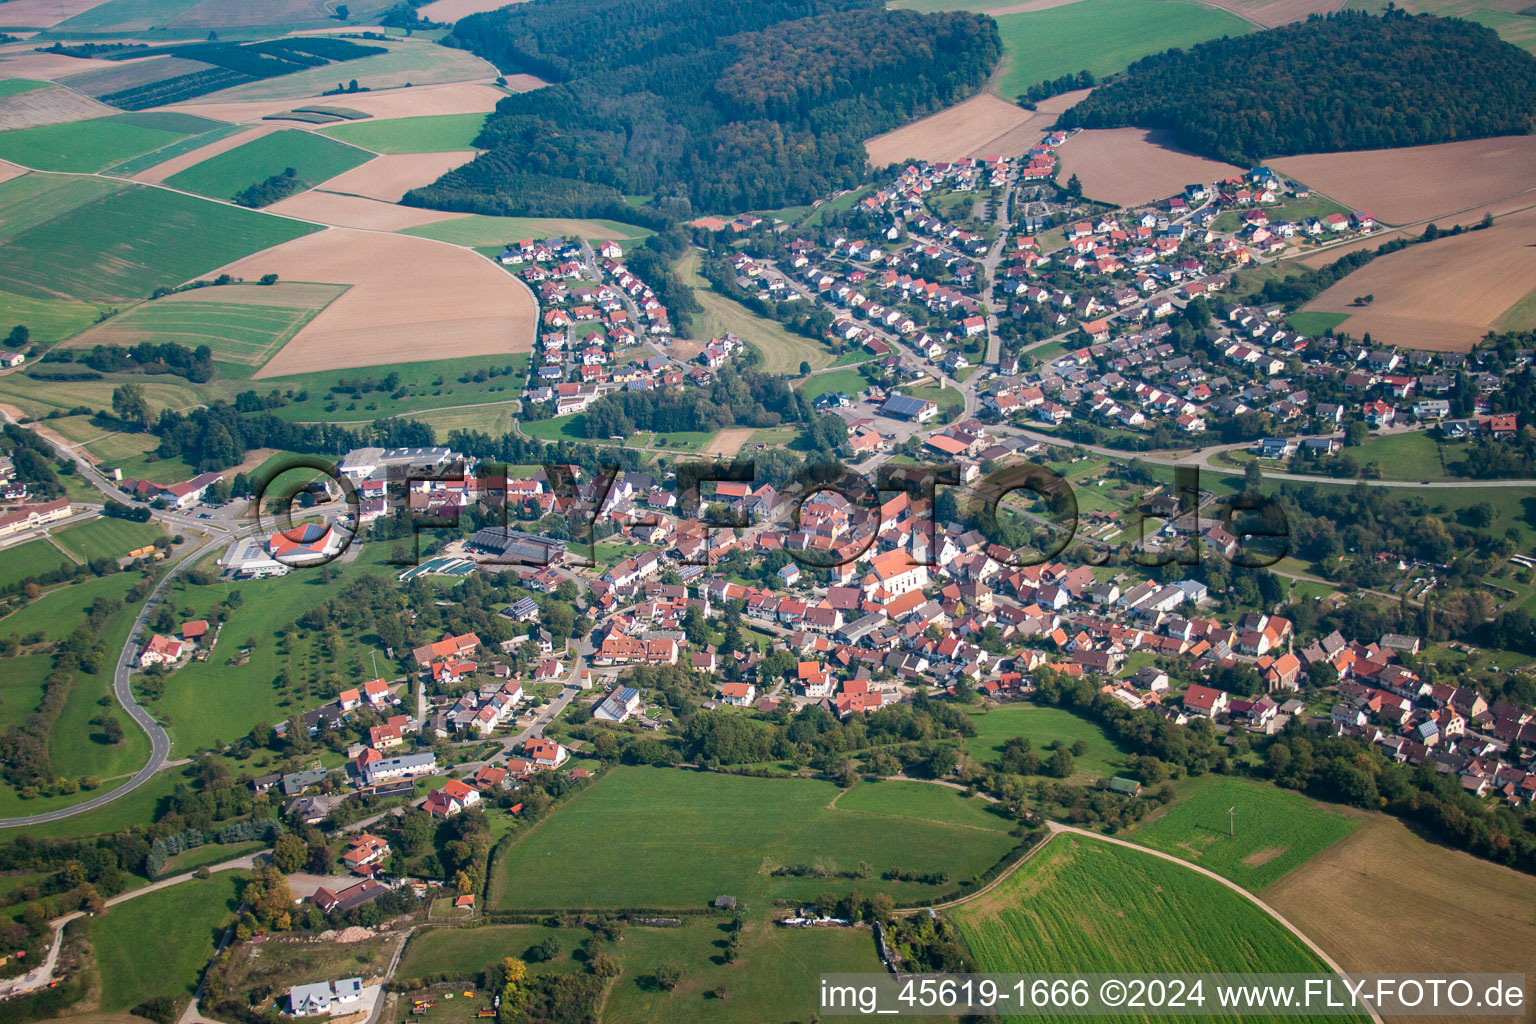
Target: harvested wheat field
x,y
1404,186
453,10
392,176
1129,166
52,105
43,13
47,66
1383,900
978,125
416,101
411,299
348,211
9,170
1443,295
1271,13
158,173
1466,218
727,443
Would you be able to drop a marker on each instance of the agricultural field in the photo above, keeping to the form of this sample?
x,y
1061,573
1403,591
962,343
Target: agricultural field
x,y
1130,166
1315,323
388,178
1444,295
1384,899
249,692
43,13
409,62
351,211
1419,183
107,538
410,299
83,244
1271,13
1521,316
51,105
243,324
159,943
922,801
1043,726
417,101
313,156
89,146
982,125
21,686
1101,36
440,134
781,350
653,837
1276,831
1082,905
481,230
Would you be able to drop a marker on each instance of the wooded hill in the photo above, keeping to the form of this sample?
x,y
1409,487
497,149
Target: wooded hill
x,y
1346,81
701,104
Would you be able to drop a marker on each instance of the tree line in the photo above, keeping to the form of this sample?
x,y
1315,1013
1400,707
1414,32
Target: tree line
x,y
1350,80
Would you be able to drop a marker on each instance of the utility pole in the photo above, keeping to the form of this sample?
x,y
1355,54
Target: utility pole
x,y
1231,821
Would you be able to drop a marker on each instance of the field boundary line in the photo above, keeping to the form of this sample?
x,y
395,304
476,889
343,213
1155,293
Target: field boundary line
x,y
1059,829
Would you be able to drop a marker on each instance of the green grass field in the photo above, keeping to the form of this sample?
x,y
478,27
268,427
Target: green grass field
x,y
29,559
774,978
922,801
1314,324
155,157
668,837
21,686
1277,830
1081,905
248,693
122,245
158,943
107,538
1412,456
950,401
782,350
849,382
1102,36
442,133
1522,315
313,156
1043,726
482,230
84,145
17,86
243,335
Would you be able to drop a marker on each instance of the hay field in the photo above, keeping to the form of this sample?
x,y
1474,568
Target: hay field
x,y
52,105
411,299
418,101
1129,166
176,164
1444,295
1417,183
976,126
1382,899
390,177
348,211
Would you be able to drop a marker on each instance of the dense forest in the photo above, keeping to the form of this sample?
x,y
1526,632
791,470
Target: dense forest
x,y
700,105
1346,81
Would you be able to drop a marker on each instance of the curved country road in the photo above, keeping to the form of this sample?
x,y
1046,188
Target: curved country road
x,y
160,741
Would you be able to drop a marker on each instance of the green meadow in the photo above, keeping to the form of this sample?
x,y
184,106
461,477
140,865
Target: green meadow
x,y
1102,36
314,157
92,145
441,133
